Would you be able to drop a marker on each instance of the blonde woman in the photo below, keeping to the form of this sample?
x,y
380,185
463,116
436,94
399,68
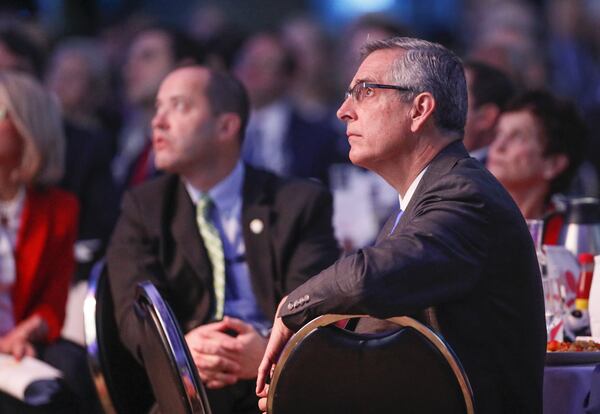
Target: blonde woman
x,y
38,222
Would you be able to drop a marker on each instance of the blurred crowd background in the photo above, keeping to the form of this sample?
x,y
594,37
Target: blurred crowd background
x,y
104,60
102,63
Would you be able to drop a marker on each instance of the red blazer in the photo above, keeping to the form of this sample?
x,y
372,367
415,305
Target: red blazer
x,y
44,257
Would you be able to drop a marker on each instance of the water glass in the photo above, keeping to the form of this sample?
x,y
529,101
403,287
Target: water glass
x,y
536,228
554,307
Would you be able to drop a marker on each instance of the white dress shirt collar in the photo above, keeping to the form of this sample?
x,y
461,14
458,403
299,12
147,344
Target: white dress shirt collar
x,y
411,189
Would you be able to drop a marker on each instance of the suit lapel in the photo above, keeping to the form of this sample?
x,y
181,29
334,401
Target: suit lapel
x,y
185,231
256,228
440,165
387,227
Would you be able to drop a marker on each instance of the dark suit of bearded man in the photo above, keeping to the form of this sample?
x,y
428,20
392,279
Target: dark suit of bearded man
x,y
286,226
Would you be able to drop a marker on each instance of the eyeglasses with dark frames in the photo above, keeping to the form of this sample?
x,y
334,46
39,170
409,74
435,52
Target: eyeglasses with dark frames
x,y
365,89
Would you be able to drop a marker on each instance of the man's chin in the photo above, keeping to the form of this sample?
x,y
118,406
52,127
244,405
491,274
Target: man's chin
x,y
357,160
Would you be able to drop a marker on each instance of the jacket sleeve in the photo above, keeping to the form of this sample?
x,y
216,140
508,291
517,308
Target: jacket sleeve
x,y
436,256
132,257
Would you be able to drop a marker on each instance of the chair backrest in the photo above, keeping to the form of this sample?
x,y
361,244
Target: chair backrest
x,y
326,369
121,382
167,360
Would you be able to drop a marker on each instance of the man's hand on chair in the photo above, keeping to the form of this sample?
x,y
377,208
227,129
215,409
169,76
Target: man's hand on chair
x,y
223,359
280,335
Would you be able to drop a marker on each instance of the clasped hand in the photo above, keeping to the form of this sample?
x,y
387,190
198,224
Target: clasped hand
x,y
223,359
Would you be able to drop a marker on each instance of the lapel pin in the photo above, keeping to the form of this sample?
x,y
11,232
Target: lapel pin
x,y
256,226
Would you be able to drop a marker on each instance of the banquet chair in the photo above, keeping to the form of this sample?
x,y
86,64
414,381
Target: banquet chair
x,y
121,382
327,369
168,363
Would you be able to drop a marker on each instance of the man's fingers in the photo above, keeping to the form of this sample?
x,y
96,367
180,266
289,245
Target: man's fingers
x,y
237,325
214,363
263,371
262,404
213,343
208,328
265,392
211,347
217,379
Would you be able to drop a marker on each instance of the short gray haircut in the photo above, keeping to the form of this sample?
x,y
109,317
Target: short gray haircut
x,y
429,67
36,116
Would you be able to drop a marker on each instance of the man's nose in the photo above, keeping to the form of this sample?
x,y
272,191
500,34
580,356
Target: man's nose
x,y
346,111
159,121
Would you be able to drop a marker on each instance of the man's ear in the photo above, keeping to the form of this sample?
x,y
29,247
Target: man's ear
x,y
422,110
554,165
228,125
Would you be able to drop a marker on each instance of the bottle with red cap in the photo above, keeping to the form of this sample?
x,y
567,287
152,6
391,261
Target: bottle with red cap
x,y
578,320
586,260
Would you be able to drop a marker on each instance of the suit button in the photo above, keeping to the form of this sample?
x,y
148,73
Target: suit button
x,y
296,303
290,306
306,298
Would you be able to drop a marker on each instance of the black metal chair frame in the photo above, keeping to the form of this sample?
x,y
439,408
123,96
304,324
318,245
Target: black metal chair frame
x,y
401,321
184,372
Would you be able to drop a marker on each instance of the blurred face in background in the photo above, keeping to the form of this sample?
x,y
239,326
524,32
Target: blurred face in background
x,y
71,80
260,69
150,59
516,156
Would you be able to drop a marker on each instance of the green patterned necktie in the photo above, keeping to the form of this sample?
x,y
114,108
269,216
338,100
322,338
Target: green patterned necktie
x,y
214,247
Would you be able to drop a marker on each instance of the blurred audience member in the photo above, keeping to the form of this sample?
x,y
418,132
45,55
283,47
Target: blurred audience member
x,y
489,91
87,165
19,50
279,138
368,27
153,53
507,35
313,87
38,226
78,74
538,147
573,70
210,25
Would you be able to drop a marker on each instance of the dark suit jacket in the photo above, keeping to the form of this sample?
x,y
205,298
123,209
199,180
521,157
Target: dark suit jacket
x,y
157,238
462,246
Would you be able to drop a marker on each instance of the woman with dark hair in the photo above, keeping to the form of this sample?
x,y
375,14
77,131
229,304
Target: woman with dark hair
x,y
538,147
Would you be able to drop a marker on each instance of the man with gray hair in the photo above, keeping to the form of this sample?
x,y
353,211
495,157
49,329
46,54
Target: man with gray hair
x,y
447,247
